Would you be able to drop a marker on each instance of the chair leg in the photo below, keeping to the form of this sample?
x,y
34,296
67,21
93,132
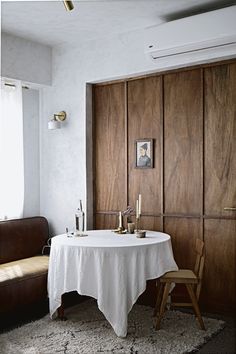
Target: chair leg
x,y
195,306
158,301
163,304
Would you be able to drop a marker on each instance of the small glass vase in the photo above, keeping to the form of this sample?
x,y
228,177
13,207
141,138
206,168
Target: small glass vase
x,y
130,227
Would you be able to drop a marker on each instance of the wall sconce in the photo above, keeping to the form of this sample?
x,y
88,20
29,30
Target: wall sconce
x,y
55,122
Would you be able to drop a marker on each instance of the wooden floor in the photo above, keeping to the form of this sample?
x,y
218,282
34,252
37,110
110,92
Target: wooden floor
x,y
9,322
225,341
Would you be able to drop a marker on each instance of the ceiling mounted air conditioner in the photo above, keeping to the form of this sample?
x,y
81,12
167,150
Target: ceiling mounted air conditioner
x,y
209,33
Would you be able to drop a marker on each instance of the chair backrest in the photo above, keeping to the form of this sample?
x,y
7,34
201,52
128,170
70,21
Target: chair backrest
x,y
199,265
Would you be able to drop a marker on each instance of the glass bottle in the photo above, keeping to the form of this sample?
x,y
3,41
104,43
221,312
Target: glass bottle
x,y
79,218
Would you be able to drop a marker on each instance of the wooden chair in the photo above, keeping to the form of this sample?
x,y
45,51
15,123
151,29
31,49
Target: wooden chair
x,y
192,281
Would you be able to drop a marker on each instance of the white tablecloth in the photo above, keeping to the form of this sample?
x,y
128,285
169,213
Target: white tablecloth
x,y
109,267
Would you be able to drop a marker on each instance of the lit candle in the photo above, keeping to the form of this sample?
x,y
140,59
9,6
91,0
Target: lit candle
x,y
137,208
120,219
139,204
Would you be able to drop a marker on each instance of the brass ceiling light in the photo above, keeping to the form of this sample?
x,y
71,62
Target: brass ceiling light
x,y
68,5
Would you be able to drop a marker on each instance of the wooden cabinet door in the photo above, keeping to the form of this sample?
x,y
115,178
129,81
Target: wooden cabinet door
x,y
219,281
183,142
220,187
183,232
220,140
106,221
110,148
145,121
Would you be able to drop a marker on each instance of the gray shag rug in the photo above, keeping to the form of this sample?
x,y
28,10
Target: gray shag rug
x,y
87,331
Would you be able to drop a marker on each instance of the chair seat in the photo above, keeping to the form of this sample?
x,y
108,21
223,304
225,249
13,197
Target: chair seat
x,y
180,276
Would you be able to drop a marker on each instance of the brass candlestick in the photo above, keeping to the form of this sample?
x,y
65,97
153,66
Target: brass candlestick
x,y
120,229
137,223
139,233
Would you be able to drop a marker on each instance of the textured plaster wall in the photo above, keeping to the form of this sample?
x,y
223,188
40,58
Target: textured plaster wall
x,y
25,60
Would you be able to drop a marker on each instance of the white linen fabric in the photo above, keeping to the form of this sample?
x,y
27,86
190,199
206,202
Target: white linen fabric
x,y
109,267
11,151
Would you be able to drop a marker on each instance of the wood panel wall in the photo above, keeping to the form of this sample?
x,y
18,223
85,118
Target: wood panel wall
x,y
219,287
191,115
220,139
183,142
110,148
145,121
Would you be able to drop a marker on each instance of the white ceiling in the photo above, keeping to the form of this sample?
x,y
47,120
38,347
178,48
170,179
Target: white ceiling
x,y
47,21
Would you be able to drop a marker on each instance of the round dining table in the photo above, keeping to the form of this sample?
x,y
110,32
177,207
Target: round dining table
x,y
112,268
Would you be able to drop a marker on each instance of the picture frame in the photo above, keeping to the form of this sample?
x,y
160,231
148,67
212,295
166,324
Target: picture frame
x,y
144,153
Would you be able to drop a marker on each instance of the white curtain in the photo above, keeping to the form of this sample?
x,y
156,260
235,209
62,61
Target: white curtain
x,y
11,152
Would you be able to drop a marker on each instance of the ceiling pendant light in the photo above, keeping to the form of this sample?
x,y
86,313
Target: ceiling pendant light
x,y
68,5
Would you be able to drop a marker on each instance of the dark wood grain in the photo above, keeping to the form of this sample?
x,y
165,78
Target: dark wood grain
x,y
220,139
144,121
110,221
219,281
106,221
150,223
183,124
184,233
110,147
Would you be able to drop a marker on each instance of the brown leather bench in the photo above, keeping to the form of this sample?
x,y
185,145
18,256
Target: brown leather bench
x,y
23,268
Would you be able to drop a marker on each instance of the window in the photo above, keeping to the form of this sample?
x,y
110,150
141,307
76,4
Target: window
x,y
11,152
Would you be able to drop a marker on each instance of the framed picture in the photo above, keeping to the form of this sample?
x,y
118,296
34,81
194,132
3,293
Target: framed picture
x,y
144,153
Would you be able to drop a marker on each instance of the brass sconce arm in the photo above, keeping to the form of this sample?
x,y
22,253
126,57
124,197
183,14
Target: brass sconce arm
x,y
60,116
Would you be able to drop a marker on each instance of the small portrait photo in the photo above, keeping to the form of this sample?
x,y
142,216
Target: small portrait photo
x,y
144,153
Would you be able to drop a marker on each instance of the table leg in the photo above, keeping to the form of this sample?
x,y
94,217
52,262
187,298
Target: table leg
x,y
60,312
